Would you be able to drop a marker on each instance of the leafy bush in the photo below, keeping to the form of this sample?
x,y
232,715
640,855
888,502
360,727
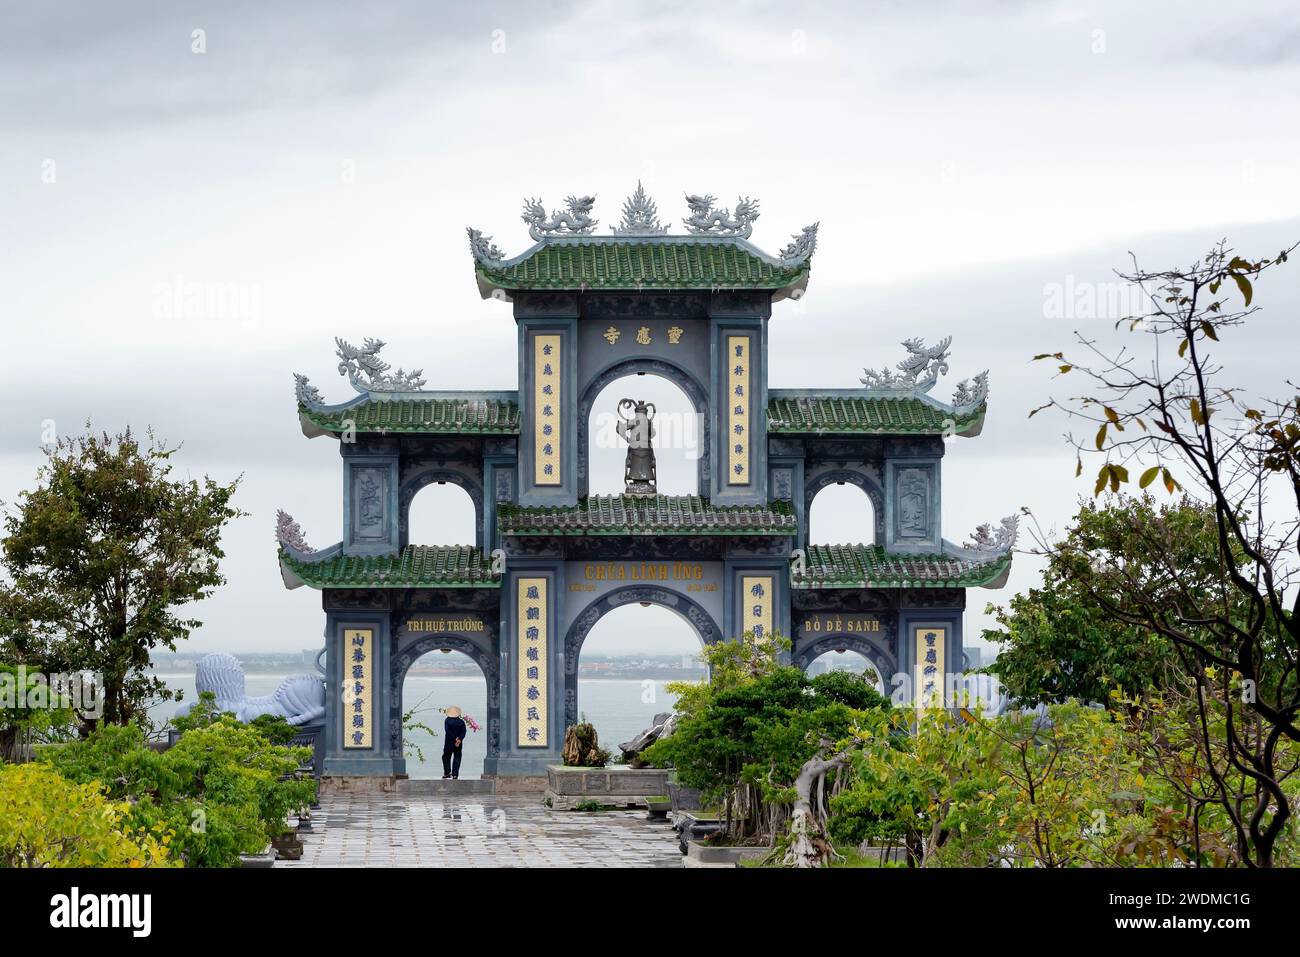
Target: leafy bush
x,y
49,821
223,789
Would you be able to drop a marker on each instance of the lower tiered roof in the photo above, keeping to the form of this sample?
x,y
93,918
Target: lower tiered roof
x,y
807,414
870,566
416,566
788,413
418,415
646,515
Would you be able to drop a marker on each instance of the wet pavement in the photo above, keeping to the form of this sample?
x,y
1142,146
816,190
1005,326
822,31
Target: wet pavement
x,y
472,830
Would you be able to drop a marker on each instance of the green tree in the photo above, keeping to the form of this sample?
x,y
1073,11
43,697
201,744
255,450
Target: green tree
x,y
1058,642
100,555
743,737
1166,411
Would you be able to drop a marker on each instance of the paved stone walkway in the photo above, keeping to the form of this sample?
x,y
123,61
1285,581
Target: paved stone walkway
x,y
407,830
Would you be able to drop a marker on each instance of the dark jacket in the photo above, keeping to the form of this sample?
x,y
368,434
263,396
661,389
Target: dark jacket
x,y
455,728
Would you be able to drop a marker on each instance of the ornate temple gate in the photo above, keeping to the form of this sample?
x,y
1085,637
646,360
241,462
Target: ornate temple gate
x,y
550,559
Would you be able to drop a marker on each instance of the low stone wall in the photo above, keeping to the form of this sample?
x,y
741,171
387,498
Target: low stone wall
x,y
566,787
356,783
520,784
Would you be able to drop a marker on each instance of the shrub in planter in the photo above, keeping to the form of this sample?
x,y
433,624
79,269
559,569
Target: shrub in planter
x,y
223,789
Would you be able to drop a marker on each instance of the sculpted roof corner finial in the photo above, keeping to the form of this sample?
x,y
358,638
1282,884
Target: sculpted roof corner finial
x,y
968,397
706,218
917,373
999,541
640,216
483,249
307,393
801,249
369,373
576,222
289,533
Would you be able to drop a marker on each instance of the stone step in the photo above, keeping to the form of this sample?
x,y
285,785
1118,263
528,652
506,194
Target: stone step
x,y
441,786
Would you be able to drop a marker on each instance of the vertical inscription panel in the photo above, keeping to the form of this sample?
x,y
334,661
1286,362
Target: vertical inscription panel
x,y
358,678
756,605
370,488
547,419
929,667
531,644
913,504
739,381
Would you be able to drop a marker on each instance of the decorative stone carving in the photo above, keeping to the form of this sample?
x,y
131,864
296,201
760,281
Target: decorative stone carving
x,y
576,222
504,485
483,249
705,218
917,373
970,397
801,249
1000,540
369,373
370,500
783,485
640,216
913,503
306,393
299,699
289,533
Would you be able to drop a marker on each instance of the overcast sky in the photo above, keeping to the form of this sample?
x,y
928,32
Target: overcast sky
x,y
312,169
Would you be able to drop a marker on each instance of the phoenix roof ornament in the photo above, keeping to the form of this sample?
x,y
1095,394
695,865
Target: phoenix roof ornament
x,y
970,397
289,533
640,216
576,222
307,393
801,249
369,373
1000,540
485,251
917,373
707,218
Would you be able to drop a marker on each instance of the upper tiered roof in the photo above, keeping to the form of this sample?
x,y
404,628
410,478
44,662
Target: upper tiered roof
x,y
711,252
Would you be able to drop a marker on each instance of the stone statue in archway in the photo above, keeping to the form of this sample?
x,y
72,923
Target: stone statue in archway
x,y
637,431
299,699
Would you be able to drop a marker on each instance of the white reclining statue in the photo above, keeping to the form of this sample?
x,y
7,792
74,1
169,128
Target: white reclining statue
x,y
300,699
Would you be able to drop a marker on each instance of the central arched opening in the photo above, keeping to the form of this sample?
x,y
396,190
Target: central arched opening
x,y
435,681
678,429
841,513
625,664
440,512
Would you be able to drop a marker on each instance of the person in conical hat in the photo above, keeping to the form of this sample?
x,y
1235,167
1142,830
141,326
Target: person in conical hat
x,y
455,730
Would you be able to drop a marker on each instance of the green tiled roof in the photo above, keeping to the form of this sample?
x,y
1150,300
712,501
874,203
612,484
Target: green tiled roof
x,y
609,263
646,515
416,566
865,414
870,566
432,415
